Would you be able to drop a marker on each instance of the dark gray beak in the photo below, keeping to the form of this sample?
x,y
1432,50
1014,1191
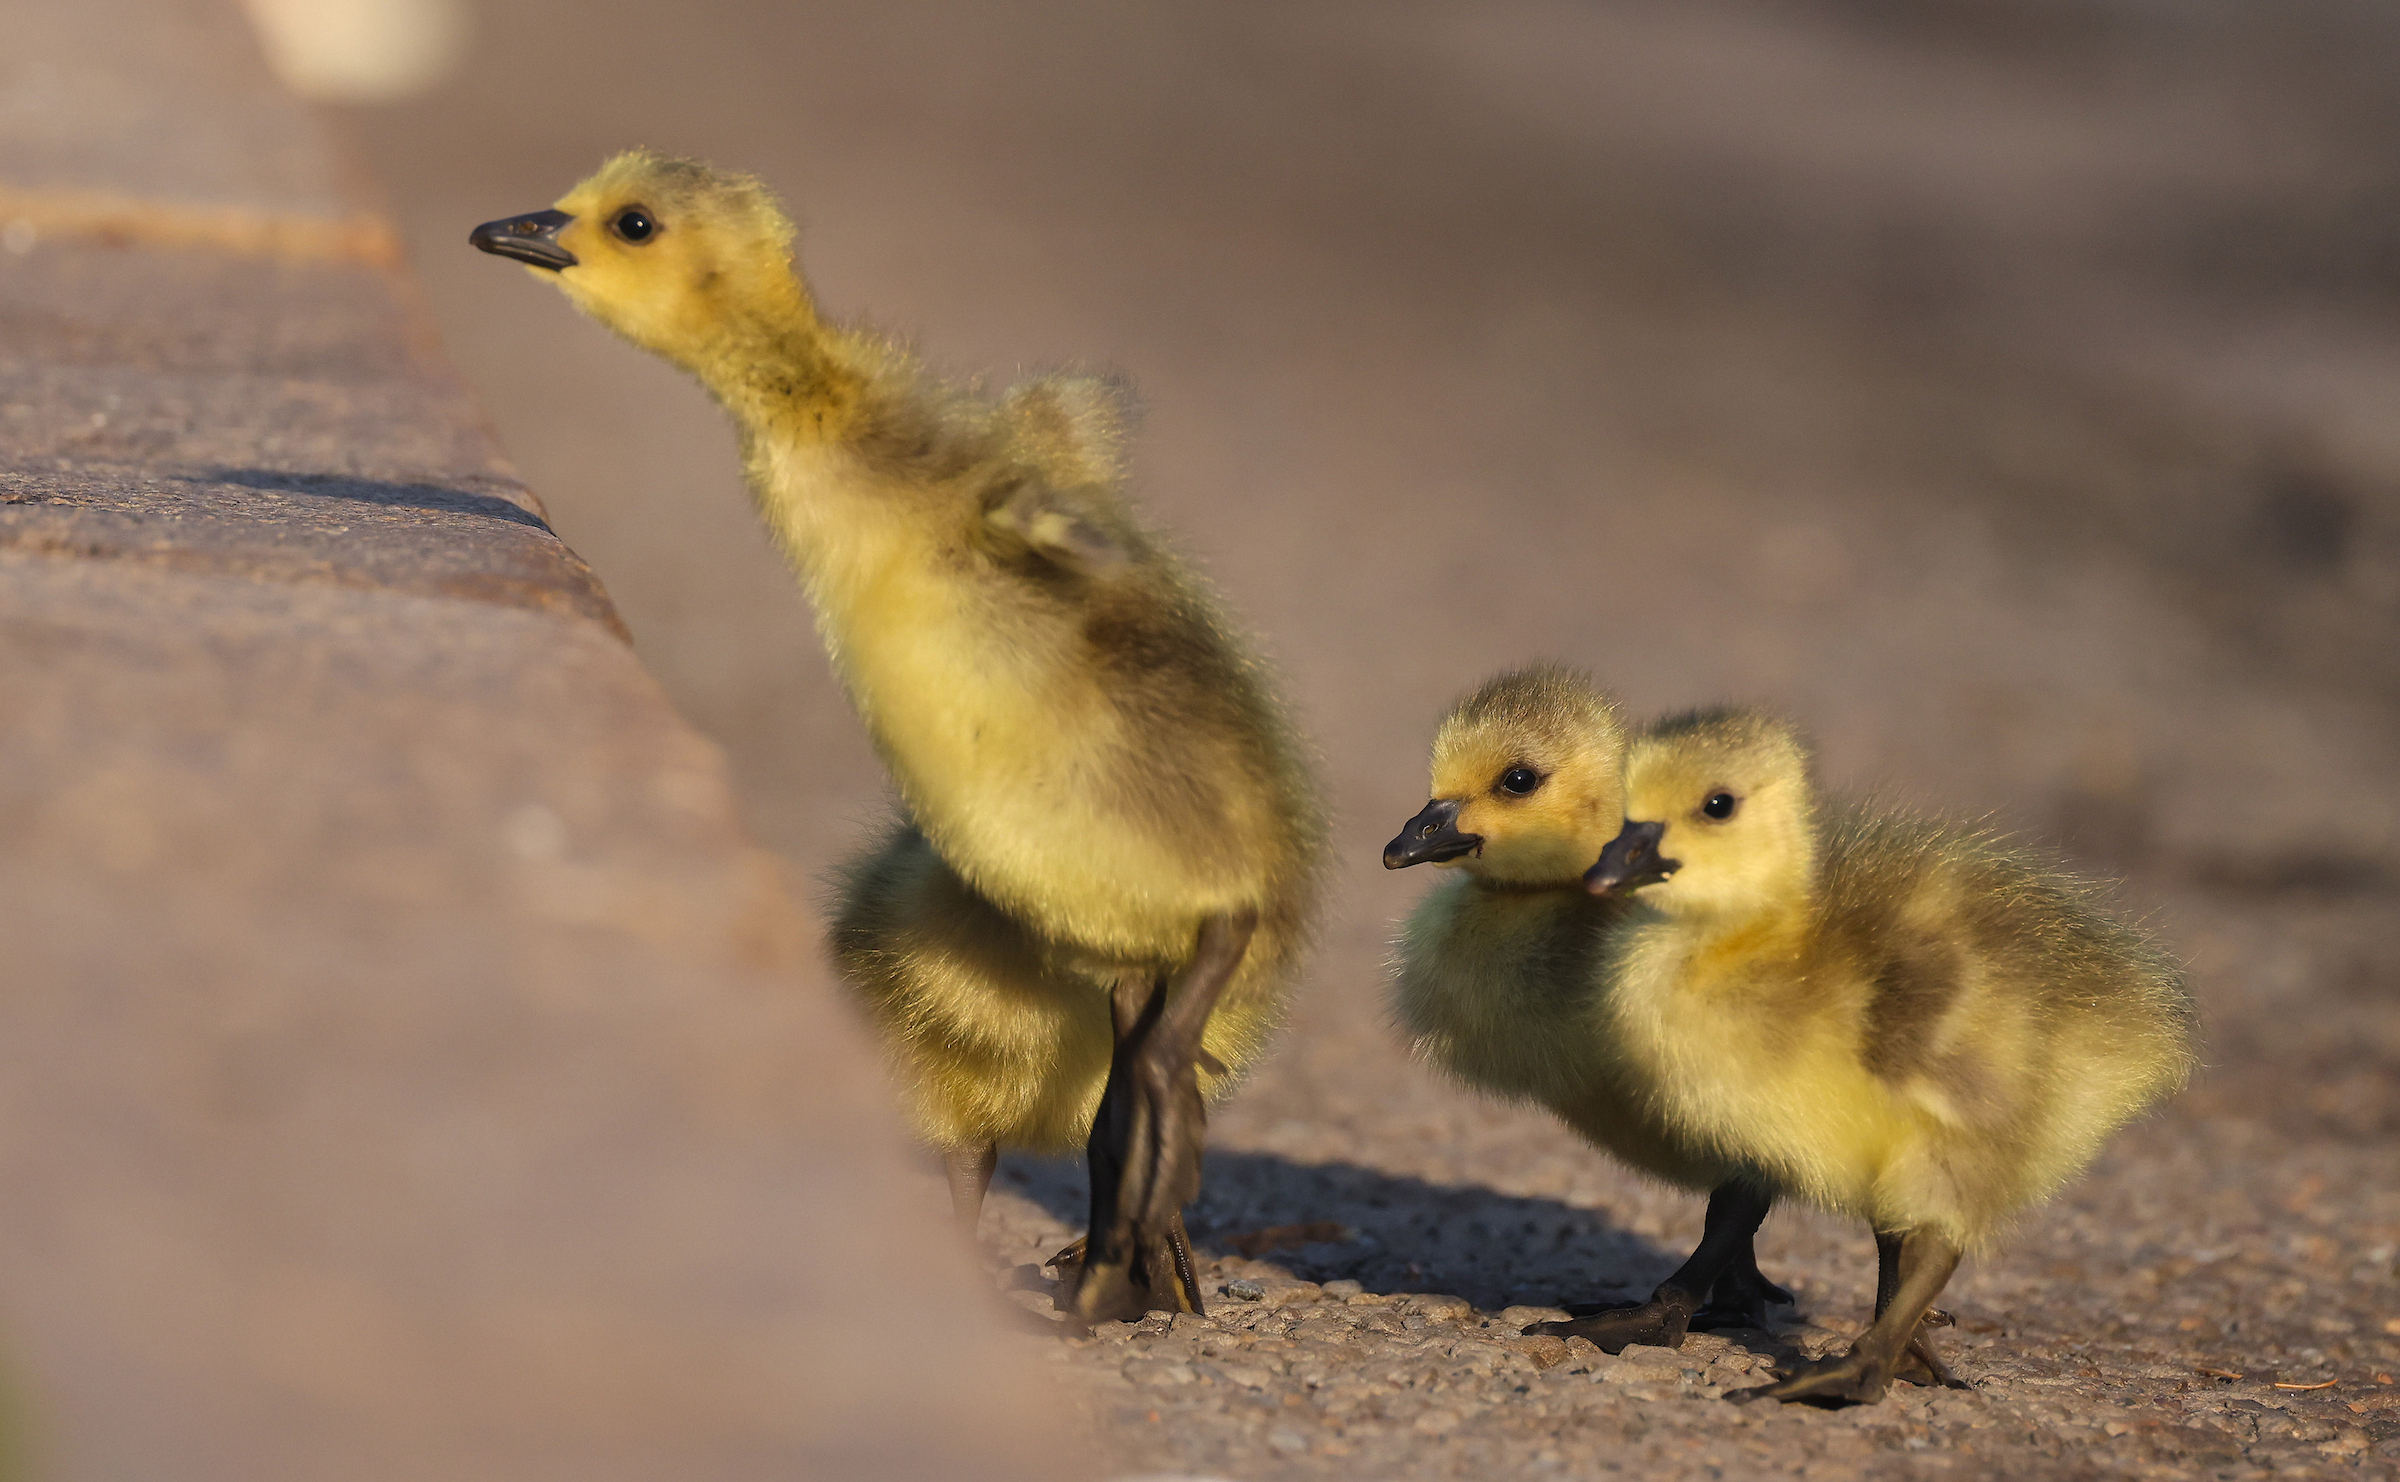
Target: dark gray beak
x,y
1630,861
1431,837
532,238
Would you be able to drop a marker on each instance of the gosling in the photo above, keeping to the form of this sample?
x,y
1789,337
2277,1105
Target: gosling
x,y
1501,971
1088,918
1890,1018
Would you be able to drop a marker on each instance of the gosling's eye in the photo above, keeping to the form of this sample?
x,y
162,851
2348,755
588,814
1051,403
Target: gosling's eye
x,y
634,224
1518,781
1721,805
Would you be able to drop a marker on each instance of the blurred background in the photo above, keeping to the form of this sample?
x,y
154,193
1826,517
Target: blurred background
x,y
2010,391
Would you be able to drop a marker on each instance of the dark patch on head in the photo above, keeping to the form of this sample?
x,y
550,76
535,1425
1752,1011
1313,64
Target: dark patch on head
x,y
1725,726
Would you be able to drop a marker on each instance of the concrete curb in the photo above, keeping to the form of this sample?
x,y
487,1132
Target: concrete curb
x,y
409,1068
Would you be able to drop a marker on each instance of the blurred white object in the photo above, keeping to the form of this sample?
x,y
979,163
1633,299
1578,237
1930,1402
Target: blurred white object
x,y
361,51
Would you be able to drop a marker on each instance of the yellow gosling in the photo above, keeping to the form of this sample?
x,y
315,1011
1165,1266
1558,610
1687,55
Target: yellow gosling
x,y
1900,1020
1501,970
1095,904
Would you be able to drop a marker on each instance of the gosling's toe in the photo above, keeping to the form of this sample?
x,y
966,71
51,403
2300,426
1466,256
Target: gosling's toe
x,y
1852,1379
1659,1324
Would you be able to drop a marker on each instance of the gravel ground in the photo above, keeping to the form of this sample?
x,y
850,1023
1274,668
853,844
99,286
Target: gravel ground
x,y
2142,1325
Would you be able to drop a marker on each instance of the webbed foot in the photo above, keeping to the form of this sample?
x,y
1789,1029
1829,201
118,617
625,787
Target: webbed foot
x,y
1659,1322
1594,1309
1852,1379
1739,1300
1922,1367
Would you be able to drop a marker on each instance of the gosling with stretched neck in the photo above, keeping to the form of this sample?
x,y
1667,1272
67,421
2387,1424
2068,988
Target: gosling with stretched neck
x,y
1090,915
1502,970
1898,1020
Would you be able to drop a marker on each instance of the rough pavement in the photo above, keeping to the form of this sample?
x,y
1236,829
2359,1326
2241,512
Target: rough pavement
x,y
2008,394
409,1066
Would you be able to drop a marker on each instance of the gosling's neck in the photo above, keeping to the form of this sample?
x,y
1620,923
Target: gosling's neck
x,y
1501,888
1772,925
777,369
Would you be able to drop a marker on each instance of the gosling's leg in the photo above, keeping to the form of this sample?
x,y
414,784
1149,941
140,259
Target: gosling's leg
x,y
1734,1213
970,1171
1921,1265
1918,1365
1146,1139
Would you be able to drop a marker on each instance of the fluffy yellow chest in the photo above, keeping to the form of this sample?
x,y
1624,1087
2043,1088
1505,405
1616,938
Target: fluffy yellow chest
x,y
1742,1051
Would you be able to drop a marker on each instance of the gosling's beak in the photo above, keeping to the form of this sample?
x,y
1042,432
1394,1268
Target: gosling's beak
x,y
1431,836
531,238
1630,861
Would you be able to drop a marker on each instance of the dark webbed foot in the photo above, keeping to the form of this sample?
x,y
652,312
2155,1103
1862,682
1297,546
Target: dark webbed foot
x,y
1724,1255
1921,1366
1146,1138
1852,1379
1739,1299
1069,1258
1659,1322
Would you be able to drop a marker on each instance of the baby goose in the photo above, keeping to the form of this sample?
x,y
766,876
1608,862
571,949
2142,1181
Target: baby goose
x,y
1887,1017
1096,901
1500,969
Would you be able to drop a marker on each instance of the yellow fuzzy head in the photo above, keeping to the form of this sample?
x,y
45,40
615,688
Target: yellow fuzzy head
x,y
677,257
1531,765
1726,797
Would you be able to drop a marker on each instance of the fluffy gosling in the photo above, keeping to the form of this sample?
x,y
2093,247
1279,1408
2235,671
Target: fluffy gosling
x,y
1502,969
1099,893
1890,1018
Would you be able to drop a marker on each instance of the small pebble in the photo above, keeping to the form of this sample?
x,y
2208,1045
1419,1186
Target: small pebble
x,y
1287,1441
1648,1356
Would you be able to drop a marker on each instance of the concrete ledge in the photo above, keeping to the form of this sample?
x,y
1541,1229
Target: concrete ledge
x,y
408,1068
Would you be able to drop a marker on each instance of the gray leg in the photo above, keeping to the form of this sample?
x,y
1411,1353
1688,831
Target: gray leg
x,y
1920,1265
1919,1365
970,1171
1146,1139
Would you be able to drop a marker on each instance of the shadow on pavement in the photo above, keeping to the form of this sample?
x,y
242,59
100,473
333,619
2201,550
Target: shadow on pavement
x,y
1397,1233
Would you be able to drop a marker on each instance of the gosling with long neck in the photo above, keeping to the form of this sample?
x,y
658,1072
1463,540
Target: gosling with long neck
x,y
1096,902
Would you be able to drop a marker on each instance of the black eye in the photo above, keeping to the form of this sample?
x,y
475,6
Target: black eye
x,y
1721,806
1520,780
634,224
